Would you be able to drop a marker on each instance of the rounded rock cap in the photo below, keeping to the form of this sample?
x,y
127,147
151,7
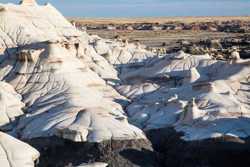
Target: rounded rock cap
x,y
28,2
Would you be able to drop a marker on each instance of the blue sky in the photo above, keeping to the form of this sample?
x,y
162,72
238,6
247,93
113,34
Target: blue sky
x,y
149,8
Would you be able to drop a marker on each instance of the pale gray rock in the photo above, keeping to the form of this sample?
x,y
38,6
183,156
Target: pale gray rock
x,y
117,53
60,77
220,90
101,47
14,153
10,104
65,78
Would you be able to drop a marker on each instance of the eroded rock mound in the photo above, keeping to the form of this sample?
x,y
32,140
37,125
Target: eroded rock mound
x,y
59,75
194,109
72,94
15,153
201,97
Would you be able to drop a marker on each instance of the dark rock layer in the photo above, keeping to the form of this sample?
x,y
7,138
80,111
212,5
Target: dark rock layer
x,y
56,152
170,151
220,152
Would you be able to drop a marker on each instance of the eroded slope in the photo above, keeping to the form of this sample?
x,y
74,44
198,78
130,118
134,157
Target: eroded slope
x,y
59,75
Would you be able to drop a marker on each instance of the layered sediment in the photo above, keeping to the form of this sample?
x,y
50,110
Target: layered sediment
x,y
83,100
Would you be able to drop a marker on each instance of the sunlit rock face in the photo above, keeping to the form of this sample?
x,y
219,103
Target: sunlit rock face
x,y
10,104
66,83
62,78
201,97
15,153
65,78
58,81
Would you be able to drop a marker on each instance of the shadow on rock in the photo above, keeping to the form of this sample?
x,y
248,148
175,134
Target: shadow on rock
x,y
56,152
225,151
143,158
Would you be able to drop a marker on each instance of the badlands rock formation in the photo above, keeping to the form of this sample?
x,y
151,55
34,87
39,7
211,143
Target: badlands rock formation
x,y
57,82
71,95
10,104
59,75
14,153
201,97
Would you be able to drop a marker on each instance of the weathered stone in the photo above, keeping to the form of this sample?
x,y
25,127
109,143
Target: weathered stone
x,y
61,78
15,153
10,104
